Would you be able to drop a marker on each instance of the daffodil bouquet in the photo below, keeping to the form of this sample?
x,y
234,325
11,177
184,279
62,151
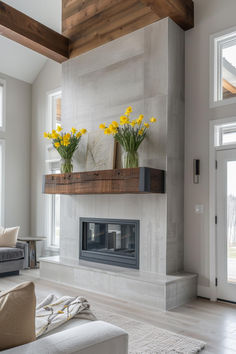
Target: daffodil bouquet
x,y
66,144
129,134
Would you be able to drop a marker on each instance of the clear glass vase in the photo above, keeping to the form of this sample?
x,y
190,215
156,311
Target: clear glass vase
x,y
130,159
66,166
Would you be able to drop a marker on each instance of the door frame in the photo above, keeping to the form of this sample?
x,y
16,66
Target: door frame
x,y
212,200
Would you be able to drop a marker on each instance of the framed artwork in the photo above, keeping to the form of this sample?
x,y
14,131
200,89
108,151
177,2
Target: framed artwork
x,y
101,152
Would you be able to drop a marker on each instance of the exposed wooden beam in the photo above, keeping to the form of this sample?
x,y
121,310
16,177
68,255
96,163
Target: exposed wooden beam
x,y
91,23
23,29
229,87
180,11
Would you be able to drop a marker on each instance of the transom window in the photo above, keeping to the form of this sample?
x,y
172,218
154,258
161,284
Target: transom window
x,y
225,134
223,67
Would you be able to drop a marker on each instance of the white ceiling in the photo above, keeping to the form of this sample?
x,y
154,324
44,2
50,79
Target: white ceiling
x,y
18,61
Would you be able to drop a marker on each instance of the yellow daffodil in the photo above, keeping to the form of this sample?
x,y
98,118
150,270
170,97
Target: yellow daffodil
x,y
59,128
102,126
141,117
129,110
83,131
115,124
55,135
112,129
153,120
139,121
140,132
45,135
133,123
67,136
57,145
66,142
124,120
107,131
78,135
147,125
73,131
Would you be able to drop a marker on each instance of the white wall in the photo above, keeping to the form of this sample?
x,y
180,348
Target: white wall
x,y
48,79
211,16
17,165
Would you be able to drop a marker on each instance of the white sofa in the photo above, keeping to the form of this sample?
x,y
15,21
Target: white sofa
x,y
78,337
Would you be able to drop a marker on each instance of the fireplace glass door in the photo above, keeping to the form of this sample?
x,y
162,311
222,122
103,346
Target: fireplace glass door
x,y
110,241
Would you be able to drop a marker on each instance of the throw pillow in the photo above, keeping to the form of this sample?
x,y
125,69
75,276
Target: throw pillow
x,y
17,316
8,237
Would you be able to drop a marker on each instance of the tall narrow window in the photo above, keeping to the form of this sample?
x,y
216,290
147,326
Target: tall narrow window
x,y
2,174
2,104
223,67
53,167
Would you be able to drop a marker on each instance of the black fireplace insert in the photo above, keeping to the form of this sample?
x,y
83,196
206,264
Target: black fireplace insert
x,y
110,241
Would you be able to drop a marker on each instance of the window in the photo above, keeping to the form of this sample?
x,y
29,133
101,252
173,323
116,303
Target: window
x,y
2,104
2,175
54,100
223,68
225,134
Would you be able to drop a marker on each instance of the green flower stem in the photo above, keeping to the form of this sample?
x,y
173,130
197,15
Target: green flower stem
x,y
130,159
66,166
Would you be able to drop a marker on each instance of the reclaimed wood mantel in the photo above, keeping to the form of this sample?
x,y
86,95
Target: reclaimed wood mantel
x,y
121,181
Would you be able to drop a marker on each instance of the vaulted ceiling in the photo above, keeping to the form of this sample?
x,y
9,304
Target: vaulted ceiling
x,y
86,24
18,61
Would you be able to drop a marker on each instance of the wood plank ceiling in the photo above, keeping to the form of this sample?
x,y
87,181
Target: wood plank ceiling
x,y
91,23
87,24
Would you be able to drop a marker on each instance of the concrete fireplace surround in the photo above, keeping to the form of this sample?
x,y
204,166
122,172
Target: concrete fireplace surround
x,y
144,69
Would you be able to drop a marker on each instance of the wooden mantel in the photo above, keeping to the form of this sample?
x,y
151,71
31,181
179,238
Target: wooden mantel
x,y
91,23
120,181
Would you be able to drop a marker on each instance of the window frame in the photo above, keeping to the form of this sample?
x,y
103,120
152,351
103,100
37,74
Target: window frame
x,y
52,166
218,41
3,126
2,182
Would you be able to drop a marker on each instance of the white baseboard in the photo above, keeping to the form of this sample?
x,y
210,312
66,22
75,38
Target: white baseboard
x,y
204,291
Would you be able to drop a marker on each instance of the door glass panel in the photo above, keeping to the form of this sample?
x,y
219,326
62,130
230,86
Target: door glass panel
x,y
231,221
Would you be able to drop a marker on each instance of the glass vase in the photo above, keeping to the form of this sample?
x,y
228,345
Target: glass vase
x,y
66,166
130,159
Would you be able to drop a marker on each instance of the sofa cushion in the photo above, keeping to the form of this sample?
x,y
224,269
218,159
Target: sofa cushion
x,y
8,237
17,316
10,254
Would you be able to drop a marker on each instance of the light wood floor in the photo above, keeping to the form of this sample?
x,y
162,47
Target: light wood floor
x,y
214,323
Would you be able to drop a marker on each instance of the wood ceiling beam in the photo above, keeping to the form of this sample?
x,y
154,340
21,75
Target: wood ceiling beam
x,y
229,87
30,33
180,11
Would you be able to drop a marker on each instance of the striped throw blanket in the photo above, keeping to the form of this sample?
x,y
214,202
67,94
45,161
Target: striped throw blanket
x,y
53,312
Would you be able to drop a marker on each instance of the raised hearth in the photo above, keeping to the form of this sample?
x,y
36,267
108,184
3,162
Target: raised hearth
x,y
148,289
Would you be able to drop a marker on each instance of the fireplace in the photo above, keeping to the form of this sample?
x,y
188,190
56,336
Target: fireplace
x,y
110,241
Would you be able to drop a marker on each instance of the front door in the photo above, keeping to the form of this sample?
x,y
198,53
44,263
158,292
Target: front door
x,y
226,225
